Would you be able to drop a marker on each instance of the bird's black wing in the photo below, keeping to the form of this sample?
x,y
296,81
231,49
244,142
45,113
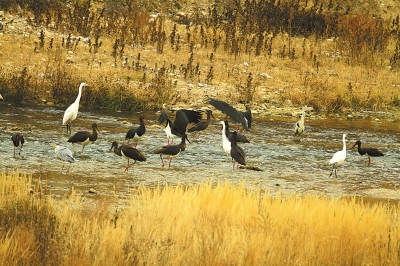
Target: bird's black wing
x,y
247,115
79,136
234,114
131,133
238,155
169,149
133,153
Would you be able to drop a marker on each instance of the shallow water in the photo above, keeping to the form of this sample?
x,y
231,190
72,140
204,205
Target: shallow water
x,y
288,166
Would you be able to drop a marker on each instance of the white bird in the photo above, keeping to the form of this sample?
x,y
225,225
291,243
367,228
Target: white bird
x,y
299,126
226,144
65,155
339,157
72,111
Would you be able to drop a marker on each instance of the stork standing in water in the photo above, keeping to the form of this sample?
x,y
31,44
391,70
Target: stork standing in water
x,y
299,126
65,155
171,151
84,137
237,153
339,157
136,133
128,152
72,111
371,152
18,141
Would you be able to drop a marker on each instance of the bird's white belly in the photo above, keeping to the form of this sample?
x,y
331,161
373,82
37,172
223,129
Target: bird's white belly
x,y
85,142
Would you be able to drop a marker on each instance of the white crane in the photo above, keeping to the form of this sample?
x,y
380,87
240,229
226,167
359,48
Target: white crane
x,y
65,155
339,157
72,111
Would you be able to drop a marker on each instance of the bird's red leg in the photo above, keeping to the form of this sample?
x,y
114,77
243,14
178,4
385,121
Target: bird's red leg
x,y
83,149
369,160
127,167
162,161
169,164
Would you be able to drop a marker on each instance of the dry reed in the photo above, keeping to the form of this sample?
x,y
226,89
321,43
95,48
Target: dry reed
x,y
209,224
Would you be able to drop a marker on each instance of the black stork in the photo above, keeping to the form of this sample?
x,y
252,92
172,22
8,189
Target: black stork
x,y
237,153
299,126
84,137
136,133
178,127
202,125
18,141
239,137
171,151
243,118
128,152
371,152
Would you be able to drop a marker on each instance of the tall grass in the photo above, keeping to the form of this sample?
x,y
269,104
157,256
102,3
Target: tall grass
x,y
209,224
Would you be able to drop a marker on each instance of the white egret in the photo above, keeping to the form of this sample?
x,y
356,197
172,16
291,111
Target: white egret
x,y
339,157
72,111
65,155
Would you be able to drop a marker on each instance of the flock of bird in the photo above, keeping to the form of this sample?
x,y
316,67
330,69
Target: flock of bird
x,y
178,130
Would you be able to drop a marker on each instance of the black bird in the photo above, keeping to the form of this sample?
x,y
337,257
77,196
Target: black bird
x,y
178,127
136,133
371,152
128,152
239,137
18,141
171,151
202,125
243,118
237,153
84,137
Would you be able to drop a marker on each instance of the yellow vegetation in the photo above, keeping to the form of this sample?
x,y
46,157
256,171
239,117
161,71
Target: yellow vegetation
x,y
208,224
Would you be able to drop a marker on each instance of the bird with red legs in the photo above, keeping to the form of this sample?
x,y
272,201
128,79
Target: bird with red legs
x,y
128,152
171,151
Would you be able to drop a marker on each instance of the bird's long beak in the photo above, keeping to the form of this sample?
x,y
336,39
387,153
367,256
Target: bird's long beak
x,y
353,146
144,122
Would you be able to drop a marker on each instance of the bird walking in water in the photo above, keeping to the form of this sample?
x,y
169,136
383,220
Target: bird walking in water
x,y
226,144
339,157
18,141
299,126
171,151
371,152
237,153
239,137
202,125
65,155
178,127
244,118
72,111
136,133
84,137
128,152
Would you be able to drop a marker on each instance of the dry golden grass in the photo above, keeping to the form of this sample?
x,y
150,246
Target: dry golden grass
x,y
218,224
323,73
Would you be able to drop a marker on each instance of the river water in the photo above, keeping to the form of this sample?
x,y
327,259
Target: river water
x,y
288,166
